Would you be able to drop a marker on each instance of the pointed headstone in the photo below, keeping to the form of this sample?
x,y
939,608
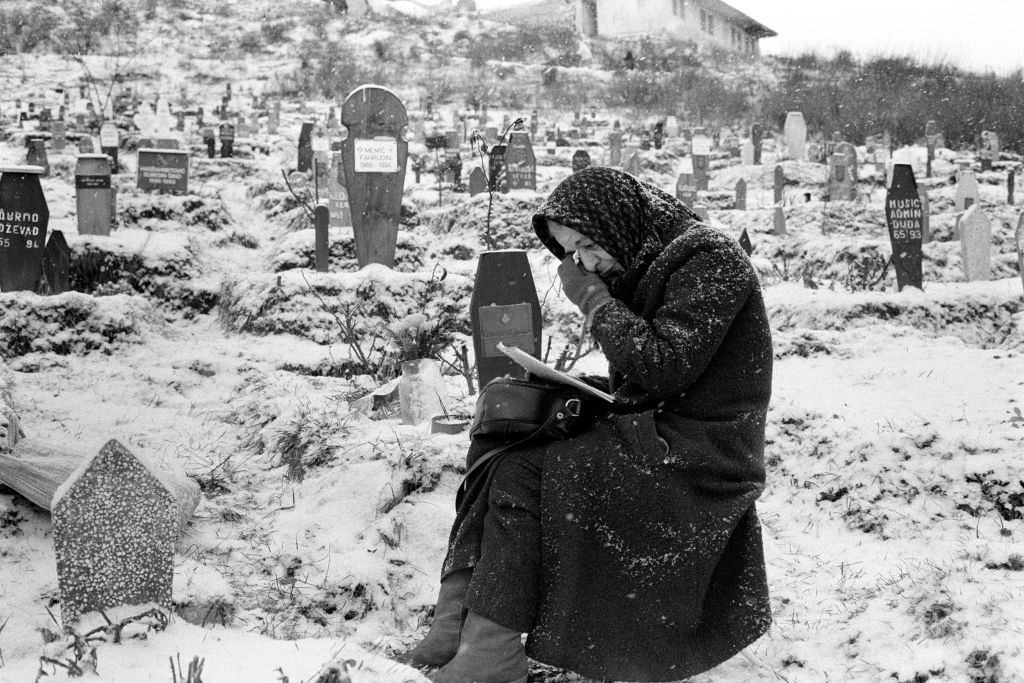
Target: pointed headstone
x,y
56,264
116,521
967,193
580,160
778,222
520,162
779,182
904,216
795,133
504,308
477,181
25,217
375,157
741,195
745,242
976,244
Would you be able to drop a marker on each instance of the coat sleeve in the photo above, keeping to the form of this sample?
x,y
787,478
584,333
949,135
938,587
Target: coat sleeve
x,y
700,300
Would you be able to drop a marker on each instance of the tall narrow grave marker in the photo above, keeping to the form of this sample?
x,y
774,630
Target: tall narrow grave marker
x,y
1019,241
976,244
757,139
23,228
337,193
926,233
795,132
633,165
779,182
321,221
741,195
93,196
109,143
904,216
615,148
778,222
931,136
56,264
306,147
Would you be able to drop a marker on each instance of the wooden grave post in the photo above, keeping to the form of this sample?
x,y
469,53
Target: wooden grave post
x,y
504,308
1011,178
116,520
931,136
757,139
337,194
163,170
56,264
779,182
25,217
93,194
741,195
580,160
778,221
520,162
305,162
375,156
109,143
976,244
321,221
904,216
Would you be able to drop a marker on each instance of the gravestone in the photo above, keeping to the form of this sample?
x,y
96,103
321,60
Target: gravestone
x,y
93,196
37,156
840,187
926,233
672,126
504,308
580,160
56,264
701,210
701,169
337,203
226,132
477,181
163,170
520,163
757,139
745,242
976,244
1019,240
274,117
496,179
210,140
931,136
615,148
633,165
321,172
24,217
375,157
747,153
849,152
686,186
115,525
1011,178
795,133
741,195
109,143
904,216
60,136
967,192
989,149
779,183
321,221
85,145
778,222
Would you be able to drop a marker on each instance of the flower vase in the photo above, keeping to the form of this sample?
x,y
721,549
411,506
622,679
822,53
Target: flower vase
x,y
422,393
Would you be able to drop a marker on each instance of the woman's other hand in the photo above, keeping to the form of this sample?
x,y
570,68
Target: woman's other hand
x,y
583,288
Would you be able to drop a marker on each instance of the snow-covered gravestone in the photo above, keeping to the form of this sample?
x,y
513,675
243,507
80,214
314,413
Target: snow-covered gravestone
x,y
795,132
904,216
779,182
1019,241
520,163
672,126
976,244
967,193
741,195
477,181
580,160
115,524
505,309
24,217
989,149
375,156
747,153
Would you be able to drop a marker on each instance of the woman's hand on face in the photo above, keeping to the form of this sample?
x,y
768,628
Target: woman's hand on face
x,y
583,288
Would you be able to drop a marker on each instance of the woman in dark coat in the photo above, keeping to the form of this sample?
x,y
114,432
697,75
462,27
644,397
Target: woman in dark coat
x,y
633,550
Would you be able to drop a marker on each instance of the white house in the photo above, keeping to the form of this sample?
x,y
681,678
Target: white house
x,y
705,22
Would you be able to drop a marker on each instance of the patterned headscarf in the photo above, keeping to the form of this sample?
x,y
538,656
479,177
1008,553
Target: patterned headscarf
x,y
630,219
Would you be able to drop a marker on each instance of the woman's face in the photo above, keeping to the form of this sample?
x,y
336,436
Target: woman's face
x,y
592,257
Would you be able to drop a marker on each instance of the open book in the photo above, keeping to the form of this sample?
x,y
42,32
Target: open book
x,y
538,369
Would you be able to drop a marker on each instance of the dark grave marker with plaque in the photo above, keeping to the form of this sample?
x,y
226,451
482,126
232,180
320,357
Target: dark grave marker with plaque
x,y
779,182
505,309
56,264
741,195
226,132
37,156
93,195
745,242
477,181
305,162
321,221
24,217
337,203
520,162
109,143
580,160
375,157
163,170
757,139
904,216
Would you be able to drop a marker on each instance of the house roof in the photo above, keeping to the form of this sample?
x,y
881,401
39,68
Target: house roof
x,y
749,24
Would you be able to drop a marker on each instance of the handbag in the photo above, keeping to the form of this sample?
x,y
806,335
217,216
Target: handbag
x,y
523,408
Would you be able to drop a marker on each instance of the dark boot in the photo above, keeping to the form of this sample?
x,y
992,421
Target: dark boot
x,y
442,640
488,653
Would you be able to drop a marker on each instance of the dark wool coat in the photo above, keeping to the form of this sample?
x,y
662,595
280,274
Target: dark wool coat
x,y
652,564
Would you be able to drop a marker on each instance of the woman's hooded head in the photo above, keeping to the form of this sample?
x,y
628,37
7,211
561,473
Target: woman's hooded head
x,y
630,219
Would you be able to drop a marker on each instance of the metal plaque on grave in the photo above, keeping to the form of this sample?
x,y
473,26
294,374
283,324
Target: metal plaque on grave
x,y
337,193
520,163
375,156
163,170
56,264
93,195
904,215
37,156
24,217
779,182
504,308
305,162
109,143
580,160
477,181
